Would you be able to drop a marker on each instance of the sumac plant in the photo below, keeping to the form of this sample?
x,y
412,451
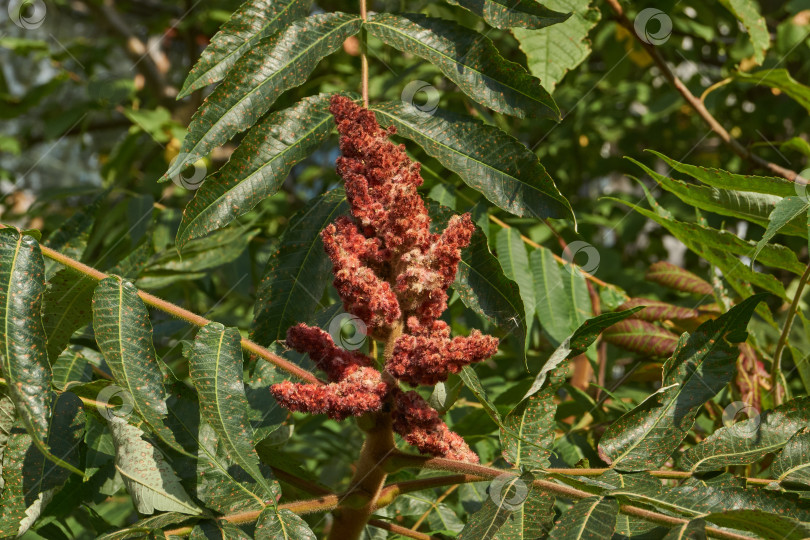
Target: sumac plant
x,y
415,366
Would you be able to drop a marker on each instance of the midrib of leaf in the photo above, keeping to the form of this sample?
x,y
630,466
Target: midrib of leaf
x,y
669,405
792,470
288,149
162,493
309,250
454,151
214,459
270,22
758,450
585,521
481,73
270,79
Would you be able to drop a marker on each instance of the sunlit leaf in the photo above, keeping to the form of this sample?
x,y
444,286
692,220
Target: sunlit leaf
x,y
505,14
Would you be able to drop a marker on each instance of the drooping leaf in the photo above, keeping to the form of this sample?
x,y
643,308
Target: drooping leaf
x,y
727,180
642,337
554,51
504,14
592,518
549,293
748,441
254,20
66,307
577,343
297,273
677,278
467,58
471,381
281,525
124,336
655,310
215,367
258,167
765,524
275,64
481,283
792,464
747,12
506,172
702,365
783,213
781,79
533,419
532,519
515,264
149,478
24,350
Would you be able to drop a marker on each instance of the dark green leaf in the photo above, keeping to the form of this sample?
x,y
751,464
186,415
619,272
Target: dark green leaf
x,y
217,530
781,79
215,367
515,264
281,525
691,530
507,493
70,239
66,307
467,58
254,20
702,365
296,275
765,524
554,51
550,296
275,64
783,213
592,518
505,14
792,464
258,167
487,159
71,367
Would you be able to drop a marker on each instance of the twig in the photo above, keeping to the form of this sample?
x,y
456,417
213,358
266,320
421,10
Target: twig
x,y
776,365
364,55
696,103
402,531
180,313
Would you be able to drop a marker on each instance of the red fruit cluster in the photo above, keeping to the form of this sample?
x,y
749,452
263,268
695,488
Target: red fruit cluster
x,y
392,273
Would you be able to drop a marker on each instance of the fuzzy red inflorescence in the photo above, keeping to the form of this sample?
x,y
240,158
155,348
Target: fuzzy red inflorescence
x,y
392,272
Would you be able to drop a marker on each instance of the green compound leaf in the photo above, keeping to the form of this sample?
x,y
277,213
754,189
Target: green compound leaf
x,y
149,478
258,167
276,64
554,51
792,464
124,336
511,14
592,518
254,20
550,295
515,264
296,275
467,58
747,12
215,368
702,365
749,440
282,525
488,160
66,308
